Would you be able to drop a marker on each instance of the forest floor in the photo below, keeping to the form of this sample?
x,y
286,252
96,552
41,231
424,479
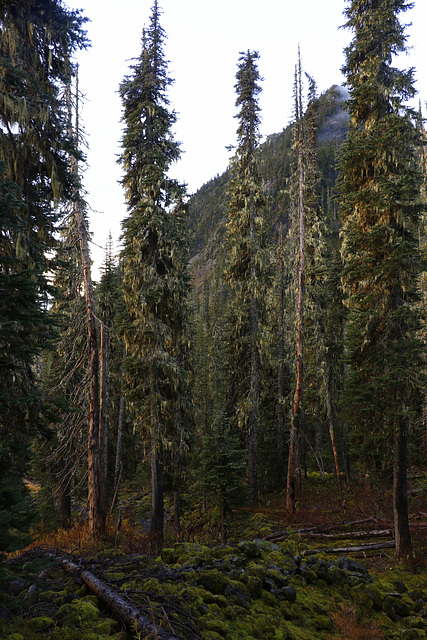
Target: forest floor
x,y
199,587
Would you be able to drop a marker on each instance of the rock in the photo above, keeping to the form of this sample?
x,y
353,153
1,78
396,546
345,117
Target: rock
x,y
42,622
400,586
321,569
362,598
289,594
269,585
4,613
31,591
395,608
375,595
417,594
254,586
416,622
322,623
212,581
15,587
249,549
347,564
410,634
336,576
308,574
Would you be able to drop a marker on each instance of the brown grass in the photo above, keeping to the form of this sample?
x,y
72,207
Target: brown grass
x,y
349,627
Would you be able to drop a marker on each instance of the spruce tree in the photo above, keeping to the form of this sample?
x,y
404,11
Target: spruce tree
x,y
245,258
379,189
155,246
37,41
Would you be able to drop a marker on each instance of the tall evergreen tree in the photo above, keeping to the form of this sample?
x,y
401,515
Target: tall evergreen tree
x,y
155,244
245,260
37,40
297,409
380,204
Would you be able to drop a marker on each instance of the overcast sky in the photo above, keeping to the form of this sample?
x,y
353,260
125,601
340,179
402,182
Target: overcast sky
x,y
203,44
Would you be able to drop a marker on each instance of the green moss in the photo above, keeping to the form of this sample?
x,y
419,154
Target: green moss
x,y
218,626
87,609
268,598
67,613
151,585
43,622
212,580
211,598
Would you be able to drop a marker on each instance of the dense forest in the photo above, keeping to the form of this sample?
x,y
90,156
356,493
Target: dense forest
x,y
267,330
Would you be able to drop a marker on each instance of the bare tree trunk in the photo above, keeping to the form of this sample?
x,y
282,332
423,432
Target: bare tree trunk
x,y
299,386
96,512
400,493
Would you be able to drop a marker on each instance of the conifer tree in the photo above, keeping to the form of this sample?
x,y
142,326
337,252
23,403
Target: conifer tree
x,y
245,259
155,245
379,190
293,472
37,40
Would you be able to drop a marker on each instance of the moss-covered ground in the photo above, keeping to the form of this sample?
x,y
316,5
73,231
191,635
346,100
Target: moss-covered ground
x,y
246,588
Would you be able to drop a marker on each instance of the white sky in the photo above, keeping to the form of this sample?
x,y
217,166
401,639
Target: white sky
x,y
203,44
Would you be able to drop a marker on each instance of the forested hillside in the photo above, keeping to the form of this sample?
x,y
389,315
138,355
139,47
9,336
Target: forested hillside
x,y
207,207
251,366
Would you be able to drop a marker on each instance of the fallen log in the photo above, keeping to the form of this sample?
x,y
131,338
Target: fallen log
x,y
280,536
350,535
285,534
124,609
352,549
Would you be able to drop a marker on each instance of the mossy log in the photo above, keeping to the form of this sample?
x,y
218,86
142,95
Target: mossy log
x,y
124,609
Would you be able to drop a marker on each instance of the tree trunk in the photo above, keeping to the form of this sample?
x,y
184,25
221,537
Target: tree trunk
x,y
103,415
281,370
118,464
254,395
177,514
299,386
331,420
96,511
64,494
400,493
254,388
123,609
157,517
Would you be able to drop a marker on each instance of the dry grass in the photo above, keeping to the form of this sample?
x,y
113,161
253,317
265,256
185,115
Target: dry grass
x,y
78,539
349,627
